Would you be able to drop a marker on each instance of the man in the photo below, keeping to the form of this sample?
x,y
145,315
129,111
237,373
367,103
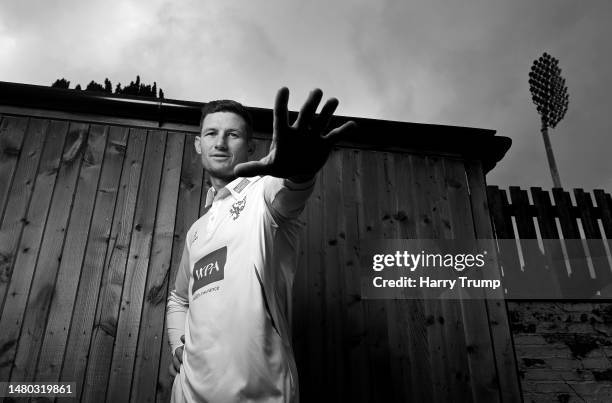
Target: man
x,y
228,315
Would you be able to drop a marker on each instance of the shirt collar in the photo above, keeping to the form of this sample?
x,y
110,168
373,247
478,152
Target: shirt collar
x,y
235,188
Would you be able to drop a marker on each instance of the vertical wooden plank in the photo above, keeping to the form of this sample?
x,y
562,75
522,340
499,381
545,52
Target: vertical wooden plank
x,y
504,232
370,216
501,335
411,316
474,340
331,184
397,342
76,354
153,315
358,371
443,313
12,133
604,203
499,210
430,354
459,327
533,270
187,213
43,288
390,231
29,246
551,241
524,221
62,304
583,284
300,310
429,226
107,311
311,377
204,184
545,213
14,220
135,277
588,217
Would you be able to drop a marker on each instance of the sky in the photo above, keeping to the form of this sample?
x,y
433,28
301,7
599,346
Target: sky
x,y
460,63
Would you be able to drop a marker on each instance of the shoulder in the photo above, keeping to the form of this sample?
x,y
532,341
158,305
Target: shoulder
x,y
269,184
242,186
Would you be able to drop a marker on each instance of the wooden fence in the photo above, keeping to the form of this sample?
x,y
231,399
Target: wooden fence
x,y
93,216
559,251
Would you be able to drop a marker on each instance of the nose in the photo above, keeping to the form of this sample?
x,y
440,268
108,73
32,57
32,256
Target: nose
x,y
221,142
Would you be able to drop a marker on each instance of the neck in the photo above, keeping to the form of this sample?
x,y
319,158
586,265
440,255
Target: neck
x,y
220,183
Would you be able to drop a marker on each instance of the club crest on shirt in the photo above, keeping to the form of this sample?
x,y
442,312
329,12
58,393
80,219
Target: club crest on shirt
x,y
237,208
209,269
194,237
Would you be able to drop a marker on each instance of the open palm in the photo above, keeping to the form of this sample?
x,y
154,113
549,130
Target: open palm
x,y
298,151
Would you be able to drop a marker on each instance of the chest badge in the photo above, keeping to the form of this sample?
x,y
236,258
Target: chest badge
x,y
194,237
237,208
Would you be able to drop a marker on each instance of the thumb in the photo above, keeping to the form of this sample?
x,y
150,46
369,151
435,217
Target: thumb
x,y
252,168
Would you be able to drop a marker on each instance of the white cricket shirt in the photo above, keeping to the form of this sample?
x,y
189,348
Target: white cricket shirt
x,y
232,296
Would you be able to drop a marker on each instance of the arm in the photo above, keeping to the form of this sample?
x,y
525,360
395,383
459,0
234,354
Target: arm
x,y
285,198
178,303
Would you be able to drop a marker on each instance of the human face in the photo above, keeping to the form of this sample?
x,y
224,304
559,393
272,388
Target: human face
x,y
223,143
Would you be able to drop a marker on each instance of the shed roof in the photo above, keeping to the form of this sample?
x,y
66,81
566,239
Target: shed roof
x,y
372,134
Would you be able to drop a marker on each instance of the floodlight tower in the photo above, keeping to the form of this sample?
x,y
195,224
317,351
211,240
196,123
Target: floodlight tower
x,y
550,96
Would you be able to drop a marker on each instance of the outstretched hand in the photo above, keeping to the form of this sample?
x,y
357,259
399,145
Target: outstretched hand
x,y
298,151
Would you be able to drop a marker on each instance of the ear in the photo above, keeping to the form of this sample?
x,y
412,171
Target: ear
x,y
251,146
197,145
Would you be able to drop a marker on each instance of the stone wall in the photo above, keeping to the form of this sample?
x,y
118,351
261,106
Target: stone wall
x,y
563,350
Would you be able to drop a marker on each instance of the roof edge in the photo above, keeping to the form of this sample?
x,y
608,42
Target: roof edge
x,y
374,134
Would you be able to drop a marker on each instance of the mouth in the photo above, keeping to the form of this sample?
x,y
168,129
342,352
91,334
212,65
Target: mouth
x,y
220,156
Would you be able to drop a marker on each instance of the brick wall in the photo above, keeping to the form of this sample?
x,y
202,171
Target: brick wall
x,y
564,350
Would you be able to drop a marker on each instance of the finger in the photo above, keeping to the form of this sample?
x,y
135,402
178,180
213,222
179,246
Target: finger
x,y
281,113
252,168
335,135
326,114
309,108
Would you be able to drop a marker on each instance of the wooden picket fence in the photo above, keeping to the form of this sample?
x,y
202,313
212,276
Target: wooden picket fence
x,y
553,251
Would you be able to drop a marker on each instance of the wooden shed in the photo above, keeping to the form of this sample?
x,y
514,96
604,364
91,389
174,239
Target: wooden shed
x,y
98,191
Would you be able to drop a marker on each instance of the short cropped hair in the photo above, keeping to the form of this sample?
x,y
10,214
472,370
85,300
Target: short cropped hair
x,y
227,105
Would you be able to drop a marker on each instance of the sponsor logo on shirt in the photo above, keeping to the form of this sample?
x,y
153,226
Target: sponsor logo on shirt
x,y
237,208
239,187
209,269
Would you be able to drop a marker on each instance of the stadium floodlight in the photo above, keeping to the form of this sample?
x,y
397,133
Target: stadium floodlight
x,y
549,94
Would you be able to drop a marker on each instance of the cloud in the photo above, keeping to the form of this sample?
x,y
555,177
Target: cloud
x,y
457,63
